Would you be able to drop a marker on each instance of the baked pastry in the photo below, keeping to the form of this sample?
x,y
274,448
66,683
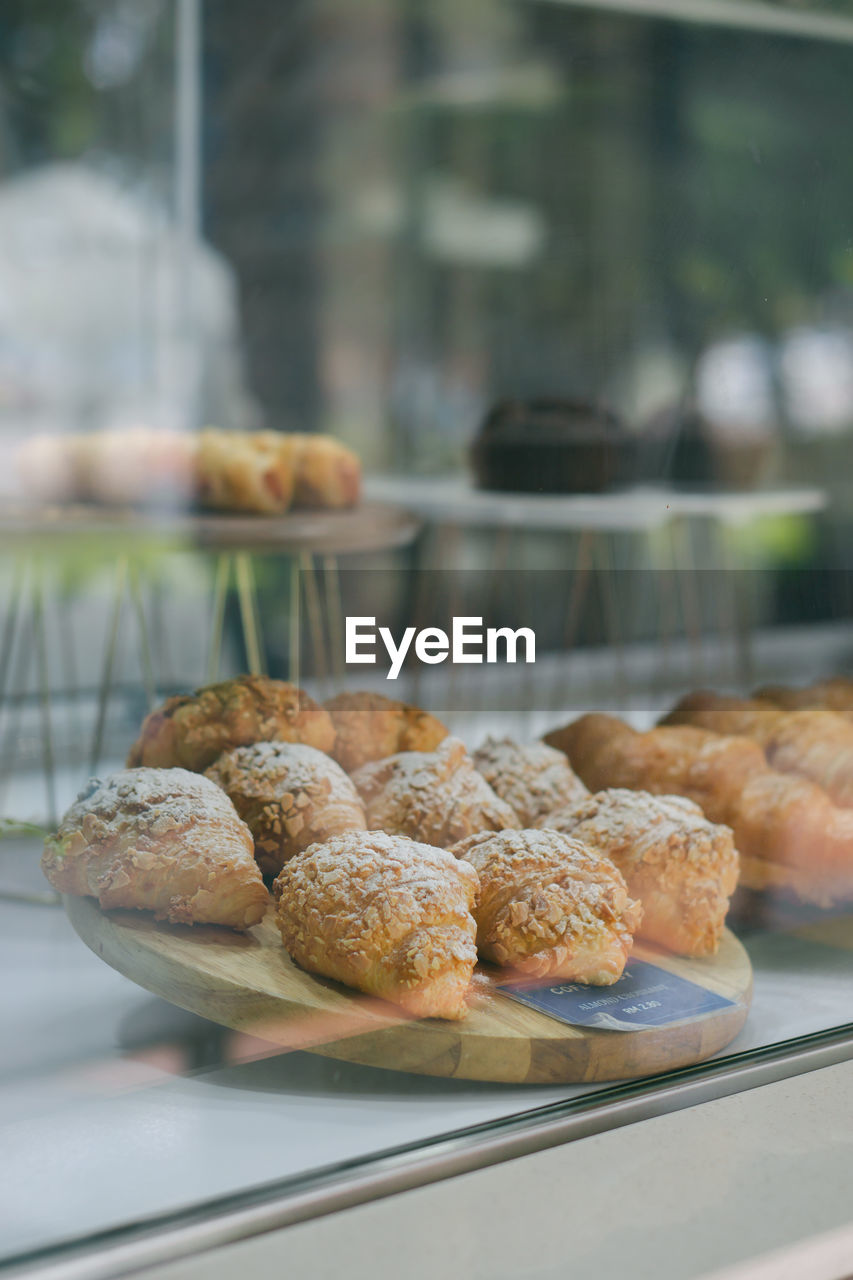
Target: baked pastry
x,y
549,445
192,730
370,726
243,471
161,840
814,743
721,714
326,473
683,868
137,466
708,768
834,694
248,471
434,796
550,906
47,467
290,795
533,779
386,915
776,818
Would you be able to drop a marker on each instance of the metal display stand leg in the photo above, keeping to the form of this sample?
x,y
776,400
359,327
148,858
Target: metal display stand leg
x,y
684,562
32,641
314,611
241,568
113,630
247,597
574,609
217,621
612,626
294,626
146,661
334,616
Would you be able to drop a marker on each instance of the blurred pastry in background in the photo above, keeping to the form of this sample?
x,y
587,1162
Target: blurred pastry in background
x,y
437,797
682,446
834,694
683,868
550,906
254,472
192,730
290,795
814,743
723,714
161,840
243,471
47,467
370,726
671,760
326,473
548,445
137,466
386,915
532,778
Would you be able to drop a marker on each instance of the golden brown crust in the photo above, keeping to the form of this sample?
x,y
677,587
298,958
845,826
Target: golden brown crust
x,y
161,840
371,727
385,915
706,710
683,868
437,797
834,694
775,816
550,906
684,760
532,778
813,743
326,473
243,471
290,795
193,729
817,745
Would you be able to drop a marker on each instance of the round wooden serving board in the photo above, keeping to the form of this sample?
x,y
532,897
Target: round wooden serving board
x,y
249,983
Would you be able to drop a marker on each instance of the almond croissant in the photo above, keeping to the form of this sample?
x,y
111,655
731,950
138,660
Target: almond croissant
x,y
779,820
161,840
814,743
682,868
550,906
386,915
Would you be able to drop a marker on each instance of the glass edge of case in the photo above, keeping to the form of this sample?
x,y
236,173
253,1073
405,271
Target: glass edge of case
x,y
271,1206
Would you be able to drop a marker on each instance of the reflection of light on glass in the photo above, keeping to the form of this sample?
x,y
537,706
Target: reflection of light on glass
x,y
817,378
89,327
462,227
120,41
734,387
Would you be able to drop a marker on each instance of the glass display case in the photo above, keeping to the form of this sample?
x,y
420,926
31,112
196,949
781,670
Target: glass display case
x,y
425,433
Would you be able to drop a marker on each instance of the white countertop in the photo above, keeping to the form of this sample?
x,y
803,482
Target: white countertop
x,y
750,1187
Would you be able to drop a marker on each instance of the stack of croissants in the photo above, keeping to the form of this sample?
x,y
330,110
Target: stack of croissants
x,y
396,858
257,472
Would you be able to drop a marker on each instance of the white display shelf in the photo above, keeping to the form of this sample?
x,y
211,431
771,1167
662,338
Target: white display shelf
x,y
454,500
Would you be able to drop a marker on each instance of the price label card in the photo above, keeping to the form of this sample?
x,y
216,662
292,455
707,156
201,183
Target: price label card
x,y
644,997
